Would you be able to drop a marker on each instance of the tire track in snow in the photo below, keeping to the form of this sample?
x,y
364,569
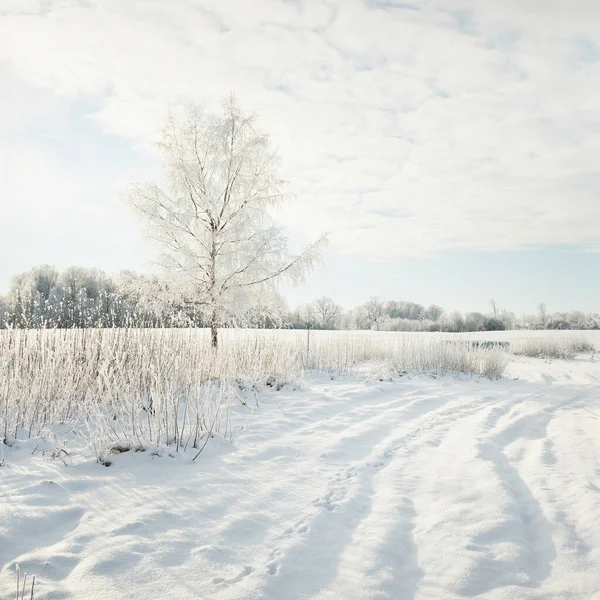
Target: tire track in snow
x,y
531,529
387,440
506,539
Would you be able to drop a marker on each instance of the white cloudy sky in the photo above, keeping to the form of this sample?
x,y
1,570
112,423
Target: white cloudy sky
x,y
411,130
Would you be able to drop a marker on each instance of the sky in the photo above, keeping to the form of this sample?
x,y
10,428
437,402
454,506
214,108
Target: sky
x,y
449,147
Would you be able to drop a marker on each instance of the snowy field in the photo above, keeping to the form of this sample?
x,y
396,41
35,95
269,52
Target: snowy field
x,y
357,485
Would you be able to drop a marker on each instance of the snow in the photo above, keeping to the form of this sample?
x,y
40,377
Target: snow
x,y
344,488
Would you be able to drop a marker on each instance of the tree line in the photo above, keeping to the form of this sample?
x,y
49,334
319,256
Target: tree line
x,y
393,315
79,297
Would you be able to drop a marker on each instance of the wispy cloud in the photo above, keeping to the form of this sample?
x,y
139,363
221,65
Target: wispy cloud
x,y
406,127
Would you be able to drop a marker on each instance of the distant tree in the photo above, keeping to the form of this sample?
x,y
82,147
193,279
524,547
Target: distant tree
x,y
509,319
558,321
374,313
595,321
434,312
543,315
456,322
416,312
213,219
474,321
578,320
494,308
29,295
392,309
404,310
327,312
493,324
348,320
152,301
308,317
44,279
264,313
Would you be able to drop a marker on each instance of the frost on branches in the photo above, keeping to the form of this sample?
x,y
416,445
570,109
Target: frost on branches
x,y
212,218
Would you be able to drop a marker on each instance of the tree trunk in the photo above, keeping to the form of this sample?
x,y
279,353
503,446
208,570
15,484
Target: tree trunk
x,y
214,331
214,318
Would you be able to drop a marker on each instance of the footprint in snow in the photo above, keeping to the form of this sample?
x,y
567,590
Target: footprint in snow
x,y
241,575
345,475
299,528
376,465
330,501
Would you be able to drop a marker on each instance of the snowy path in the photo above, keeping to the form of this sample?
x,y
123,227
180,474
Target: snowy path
x,y
417,489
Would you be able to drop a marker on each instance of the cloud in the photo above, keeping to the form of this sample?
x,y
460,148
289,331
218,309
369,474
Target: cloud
x,y
406,128
59,193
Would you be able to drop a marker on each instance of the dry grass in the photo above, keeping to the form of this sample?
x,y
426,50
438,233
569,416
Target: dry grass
x,y
25,586
552,347
128,388
419,355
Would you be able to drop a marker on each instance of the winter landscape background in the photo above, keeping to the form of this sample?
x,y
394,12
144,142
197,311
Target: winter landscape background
x,y
299,300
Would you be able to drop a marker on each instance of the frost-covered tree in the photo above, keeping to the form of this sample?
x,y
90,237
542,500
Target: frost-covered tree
x,y
29,297
494,324
374,313
304,317
153,301
495,310
434,312
453,322
404,310
543,315
474,321
212,217
509,319
327,313
264,312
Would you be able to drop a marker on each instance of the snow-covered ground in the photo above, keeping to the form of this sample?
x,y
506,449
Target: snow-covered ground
x,y
350,488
